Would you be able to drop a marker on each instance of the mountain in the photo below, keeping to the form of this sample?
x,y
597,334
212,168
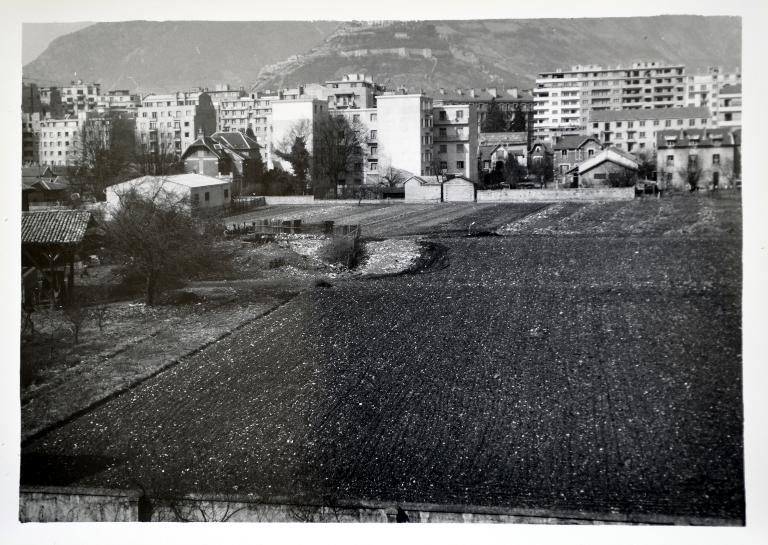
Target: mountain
x,y
171,55
163,56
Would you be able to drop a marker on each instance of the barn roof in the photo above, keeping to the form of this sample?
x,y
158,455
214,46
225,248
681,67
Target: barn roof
x,y
54,226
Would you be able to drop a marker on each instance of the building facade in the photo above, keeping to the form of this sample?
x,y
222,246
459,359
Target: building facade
x,y
80,97
290,118
729,106
31,128
706,154
636,130
169,123
704,90
455,136
404,135
563,99
60,140
569,151
353,91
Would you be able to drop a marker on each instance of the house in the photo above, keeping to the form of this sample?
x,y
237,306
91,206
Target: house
x,y
612,167
540,161
423,189
193,192
571,150
42,187
710,155
496,147
50,241
232,154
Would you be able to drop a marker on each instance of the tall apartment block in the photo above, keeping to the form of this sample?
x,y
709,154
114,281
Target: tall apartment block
x,y
404,134
293,115
564,98
80,97
170,123
455,139
31,127
704,90
60,140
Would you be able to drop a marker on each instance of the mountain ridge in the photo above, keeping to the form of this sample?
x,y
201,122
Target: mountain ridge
x,y
414,54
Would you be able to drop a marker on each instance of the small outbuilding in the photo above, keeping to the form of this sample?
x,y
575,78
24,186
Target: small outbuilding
x,y
612,167
195,192
423,189
459,189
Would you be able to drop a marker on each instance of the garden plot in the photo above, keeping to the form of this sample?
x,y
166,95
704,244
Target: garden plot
x,y
389,256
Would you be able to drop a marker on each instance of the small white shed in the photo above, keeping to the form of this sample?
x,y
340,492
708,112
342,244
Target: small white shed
x,y
423,189
459,189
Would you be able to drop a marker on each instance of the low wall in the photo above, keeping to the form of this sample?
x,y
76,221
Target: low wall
x,y
309,199
70,504
556,195
292,199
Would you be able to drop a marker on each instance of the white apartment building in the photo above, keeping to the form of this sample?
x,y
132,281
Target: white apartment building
x,y
704,89
564,98
352,91
169,123
455,135
636,130
60,140
404,133
120,100
368,169
80,97
289,117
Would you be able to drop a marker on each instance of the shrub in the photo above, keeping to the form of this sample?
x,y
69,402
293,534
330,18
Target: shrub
x,y
347,251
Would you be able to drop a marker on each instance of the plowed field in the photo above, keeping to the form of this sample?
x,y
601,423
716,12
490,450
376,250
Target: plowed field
x,y
589,360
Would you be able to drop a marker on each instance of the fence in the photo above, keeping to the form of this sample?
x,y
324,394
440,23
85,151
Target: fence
x,y
280,226
557,195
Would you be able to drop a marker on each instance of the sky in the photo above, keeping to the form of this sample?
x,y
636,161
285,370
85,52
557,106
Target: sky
x,y
35,37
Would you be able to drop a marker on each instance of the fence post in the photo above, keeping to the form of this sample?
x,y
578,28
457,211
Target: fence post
x,y
328,227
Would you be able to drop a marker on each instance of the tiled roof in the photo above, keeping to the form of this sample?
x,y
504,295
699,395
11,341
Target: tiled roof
x,y
573,141
650,113
235,140
54,226
508,138
487,150
205,142
426,180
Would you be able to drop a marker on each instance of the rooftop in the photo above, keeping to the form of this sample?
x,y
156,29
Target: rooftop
x,y
54,226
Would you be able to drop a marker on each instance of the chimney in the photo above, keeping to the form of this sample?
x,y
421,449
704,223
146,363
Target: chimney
x,y
472,92
200,132
512,91
492,92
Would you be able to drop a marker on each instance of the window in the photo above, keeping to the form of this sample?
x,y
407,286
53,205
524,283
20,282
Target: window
x,y
630,124
600,176
442,115
564,153
226,193
356,117
595,125
590,153
196,198
373,135
373,117
715,159
670,160
374,150
443,148
679,121
691,122
460,114
459,164
459,148
668,123
442,133
642,123
373,165
443,165
207,196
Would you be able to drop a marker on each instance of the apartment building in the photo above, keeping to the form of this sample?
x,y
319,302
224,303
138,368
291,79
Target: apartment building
x,y
169,123
31,127
404,135
289,118
636,130
120,101
353,91
563,99
709,151
509,100
729,106
50,102
366,170
704,90
60,140
455,136
80,97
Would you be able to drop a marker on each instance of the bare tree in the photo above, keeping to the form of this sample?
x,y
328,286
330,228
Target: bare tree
x,y
391,176
75,314
691,173
159,161
156,236
336,147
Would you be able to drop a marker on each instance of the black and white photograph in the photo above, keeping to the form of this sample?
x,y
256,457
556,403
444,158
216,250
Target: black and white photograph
x,y
311,269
